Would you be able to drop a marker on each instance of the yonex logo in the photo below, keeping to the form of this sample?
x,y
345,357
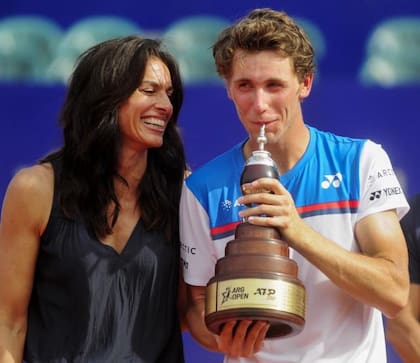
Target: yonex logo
x,y
375,195
385,192
333,180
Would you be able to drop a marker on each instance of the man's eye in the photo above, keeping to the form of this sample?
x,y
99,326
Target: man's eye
x,y
243,85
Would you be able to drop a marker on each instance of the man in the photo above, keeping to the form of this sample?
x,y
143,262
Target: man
x,y
404,331
337,204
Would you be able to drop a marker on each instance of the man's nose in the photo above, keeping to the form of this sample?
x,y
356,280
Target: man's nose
x,y
260,101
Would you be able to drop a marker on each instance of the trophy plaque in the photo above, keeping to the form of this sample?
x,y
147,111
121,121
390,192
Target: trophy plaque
x,y
256,279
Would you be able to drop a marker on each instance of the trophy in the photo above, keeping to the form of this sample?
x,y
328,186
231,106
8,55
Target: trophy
x,y
256,279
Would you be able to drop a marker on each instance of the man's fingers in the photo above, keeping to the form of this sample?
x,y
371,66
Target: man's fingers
x,y
261,333
226,336
242,338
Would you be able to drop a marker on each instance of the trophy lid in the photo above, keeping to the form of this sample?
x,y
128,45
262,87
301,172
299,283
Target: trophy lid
x,y
261,156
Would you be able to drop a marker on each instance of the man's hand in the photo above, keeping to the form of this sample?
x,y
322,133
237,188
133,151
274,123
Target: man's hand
x,y
242,338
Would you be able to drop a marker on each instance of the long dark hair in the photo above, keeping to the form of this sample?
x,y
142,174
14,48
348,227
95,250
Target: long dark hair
x,y
105,76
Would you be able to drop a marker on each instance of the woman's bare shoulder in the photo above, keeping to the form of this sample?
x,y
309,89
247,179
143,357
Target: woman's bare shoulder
x,y
36,179
30,193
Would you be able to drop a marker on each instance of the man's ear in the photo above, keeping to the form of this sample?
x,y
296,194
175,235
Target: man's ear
x,y
306,86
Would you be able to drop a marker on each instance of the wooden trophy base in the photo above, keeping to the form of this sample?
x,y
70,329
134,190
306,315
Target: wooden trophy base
x,y
256,280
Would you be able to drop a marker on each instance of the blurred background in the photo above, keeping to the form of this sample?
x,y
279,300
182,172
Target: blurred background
x,y
367,83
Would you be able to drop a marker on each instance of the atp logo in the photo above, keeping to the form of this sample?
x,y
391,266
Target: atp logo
x,y
226,205
333,180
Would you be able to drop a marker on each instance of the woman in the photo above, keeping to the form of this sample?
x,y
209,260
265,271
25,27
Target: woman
x,y
89,238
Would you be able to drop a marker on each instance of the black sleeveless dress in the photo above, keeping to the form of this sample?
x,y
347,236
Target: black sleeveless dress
x,y
91,304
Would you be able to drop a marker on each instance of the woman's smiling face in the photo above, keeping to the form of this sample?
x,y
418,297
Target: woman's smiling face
x,y
144,115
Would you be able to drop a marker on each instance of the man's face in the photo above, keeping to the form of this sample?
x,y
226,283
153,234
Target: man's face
x,y
265,90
